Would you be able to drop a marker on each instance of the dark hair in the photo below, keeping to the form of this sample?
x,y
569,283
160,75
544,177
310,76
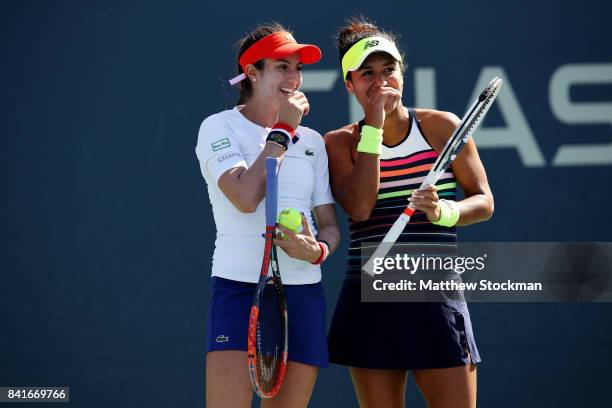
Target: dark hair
x,y
262,30
358,28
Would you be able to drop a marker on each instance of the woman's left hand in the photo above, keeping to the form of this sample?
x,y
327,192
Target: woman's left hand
x,y
426,200
302,245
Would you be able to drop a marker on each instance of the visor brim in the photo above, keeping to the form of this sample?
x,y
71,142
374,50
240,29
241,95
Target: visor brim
x,y
309,54
371,51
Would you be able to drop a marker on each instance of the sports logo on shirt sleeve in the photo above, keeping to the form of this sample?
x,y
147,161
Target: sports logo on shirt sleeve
x,y
228,156
220,144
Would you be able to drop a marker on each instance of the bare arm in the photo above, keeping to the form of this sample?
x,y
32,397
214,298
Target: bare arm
x,y
327,223
245,188
468,169
354,182
478,203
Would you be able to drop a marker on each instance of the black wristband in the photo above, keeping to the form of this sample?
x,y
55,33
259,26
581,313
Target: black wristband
x,y
279,137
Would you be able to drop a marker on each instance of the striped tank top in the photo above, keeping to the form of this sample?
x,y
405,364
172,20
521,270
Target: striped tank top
x,y
403,168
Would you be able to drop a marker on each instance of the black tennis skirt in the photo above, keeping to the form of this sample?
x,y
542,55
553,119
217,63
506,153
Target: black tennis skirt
x,y
399,336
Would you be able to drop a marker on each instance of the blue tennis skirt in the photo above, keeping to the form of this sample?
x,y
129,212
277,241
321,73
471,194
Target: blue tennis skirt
x,y
230,307
399,336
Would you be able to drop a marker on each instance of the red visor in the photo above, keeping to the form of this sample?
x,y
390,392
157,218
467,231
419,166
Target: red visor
x,y
278,45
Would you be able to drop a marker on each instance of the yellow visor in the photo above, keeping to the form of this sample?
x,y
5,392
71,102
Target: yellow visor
x,y
355,56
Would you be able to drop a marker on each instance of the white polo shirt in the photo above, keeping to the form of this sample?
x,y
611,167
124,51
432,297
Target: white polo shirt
x,y
227,140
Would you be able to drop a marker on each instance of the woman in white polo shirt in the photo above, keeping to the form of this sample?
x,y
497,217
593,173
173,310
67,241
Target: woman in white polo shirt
x,y
232,147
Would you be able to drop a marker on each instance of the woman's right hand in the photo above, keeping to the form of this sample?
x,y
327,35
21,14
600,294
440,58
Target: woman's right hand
x,y
292,108
302,245
377,99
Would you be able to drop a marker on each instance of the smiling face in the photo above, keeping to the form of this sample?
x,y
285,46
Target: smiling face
x,y
278,78
378,70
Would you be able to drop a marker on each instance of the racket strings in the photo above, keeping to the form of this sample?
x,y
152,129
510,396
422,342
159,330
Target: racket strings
x,y
270,338
481,112
462,138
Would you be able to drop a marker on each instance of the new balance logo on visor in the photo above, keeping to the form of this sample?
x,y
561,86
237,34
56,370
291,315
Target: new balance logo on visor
x,y
369,44
222,339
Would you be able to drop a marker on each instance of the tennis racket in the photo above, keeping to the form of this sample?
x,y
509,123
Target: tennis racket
x,y
267,341
459,138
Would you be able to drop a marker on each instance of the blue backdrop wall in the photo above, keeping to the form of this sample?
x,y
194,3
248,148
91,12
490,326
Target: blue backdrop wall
x,y
107,229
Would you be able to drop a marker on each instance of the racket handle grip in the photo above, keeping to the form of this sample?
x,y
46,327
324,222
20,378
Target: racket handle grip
x,y
271,190
430,179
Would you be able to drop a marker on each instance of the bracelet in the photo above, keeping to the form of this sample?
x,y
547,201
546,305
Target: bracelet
x,y
371,140
324,253
449,213
326,243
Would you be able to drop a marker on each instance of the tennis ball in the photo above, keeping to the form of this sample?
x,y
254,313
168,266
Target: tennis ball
x,y
291,219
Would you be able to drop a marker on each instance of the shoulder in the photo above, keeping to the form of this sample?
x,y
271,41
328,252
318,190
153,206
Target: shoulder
x,y
345,136
437,126
437,120
220,119
215,133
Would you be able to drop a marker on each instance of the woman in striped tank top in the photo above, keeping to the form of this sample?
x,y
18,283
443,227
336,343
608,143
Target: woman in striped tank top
x,y
375,166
